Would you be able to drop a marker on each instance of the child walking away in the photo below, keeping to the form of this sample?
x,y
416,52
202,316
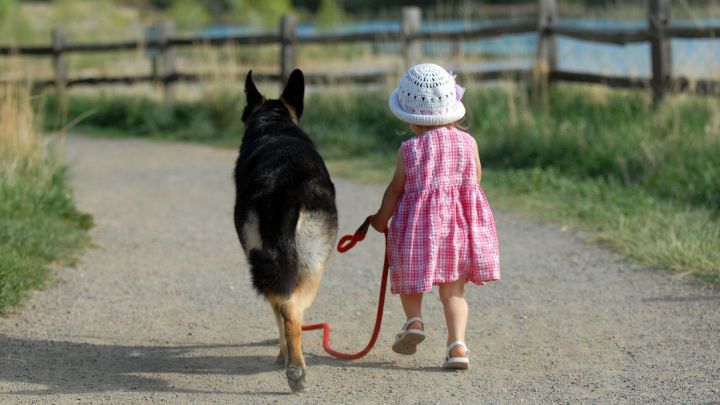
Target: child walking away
x,y
442,230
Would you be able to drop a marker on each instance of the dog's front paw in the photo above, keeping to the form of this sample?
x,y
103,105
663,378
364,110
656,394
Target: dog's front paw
x,y
296,378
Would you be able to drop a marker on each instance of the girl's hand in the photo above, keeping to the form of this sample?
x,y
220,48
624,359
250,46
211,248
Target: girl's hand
x,y
378,224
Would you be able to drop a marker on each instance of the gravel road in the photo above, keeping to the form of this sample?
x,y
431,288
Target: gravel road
x,y
161,309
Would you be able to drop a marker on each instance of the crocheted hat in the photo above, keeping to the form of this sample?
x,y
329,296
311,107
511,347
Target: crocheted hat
x,y
427,95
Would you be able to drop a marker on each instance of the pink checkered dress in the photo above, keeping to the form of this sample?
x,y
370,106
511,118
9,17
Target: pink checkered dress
x,y
442,229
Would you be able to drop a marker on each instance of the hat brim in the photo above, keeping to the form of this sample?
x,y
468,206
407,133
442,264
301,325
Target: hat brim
x,y
424,120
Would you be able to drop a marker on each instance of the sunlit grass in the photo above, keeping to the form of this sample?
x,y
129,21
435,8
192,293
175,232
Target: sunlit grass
x,y
643,179
668,151
649,230
21,148
39,224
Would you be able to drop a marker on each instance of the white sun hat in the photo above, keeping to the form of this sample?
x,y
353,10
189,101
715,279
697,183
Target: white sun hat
x,y
427,95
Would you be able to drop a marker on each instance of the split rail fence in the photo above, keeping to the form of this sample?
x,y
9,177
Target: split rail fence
x,y
162,43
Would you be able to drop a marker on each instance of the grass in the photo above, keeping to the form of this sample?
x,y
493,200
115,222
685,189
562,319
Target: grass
x,y
645,229
642,179
649,230
39,223
669,152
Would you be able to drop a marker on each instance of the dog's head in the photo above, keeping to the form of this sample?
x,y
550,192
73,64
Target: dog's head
x,y
290,102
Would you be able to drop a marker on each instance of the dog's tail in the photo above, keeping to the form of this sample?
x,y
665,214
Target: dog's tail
x,y
274,268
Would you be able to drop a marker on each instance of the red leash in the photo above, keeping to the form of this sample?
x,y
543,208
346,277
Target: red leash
x,y
346,243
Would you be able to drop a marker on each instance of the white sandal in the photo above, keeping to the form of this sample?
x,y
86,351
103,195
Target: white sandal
x,y
456,363
407,341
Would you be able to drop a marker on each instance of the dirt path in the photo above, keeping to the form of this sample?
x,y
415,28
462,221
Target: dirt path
x,y
161,310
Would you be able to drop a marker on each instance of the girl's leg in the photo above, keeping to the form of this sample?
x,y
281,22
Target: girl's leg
x,y
452,296
406,342
412,305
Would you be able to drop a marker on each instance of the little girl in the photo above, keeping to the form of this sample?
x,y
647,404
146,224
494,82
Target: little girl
x,y
442,231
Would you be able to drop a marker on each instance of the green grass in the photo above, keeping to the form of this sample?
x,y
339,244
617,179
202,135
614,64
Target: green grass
x,y
646,229
39,225
670,152
216,118
649,230
642,179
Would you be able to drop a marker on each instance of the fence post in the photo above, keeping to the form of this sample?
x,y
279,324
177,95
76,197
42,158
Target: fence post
x,y
166,29
411,20
288,23
152,51
547,16
458,52
659,12
546,59
59,40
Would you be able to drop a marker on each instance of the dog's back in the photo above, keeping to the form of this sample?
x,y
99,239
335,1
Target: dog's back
x,y
285,209
285,213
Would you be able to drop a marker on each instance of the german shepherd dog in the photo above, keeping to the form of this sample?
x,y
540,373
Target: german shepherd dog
x,y
285,213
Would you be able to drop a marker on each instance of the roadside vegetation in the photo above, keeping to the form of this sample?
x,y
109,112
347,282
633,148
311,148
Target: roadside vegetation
x,y
39,224
642,179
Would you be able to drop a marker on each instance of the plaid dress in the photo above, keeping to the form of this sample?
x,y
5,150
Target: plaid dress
x,y
442,228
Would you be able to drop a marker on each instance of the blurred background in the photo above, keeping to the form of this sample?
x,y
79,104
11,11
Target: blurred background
x,y
30,23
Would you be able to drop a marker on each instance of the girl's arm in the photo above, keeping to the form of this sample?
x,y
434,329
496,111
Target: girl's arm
x,y
477,162
390,198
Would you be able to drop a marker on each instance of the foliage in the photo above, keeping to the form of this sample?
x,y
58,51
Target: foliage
x,y
13,26
39,225
188,14
82,20
330,14
646,229
670,151
260,12
217,117
643,179
38,222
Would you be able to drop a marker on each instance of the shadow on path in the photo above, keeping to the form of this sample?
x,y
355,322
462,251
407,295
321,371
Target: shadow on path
x,y
68,367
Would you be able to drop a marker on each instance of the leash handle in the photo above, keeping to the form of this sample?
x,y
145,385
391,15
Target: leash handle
x,y
347,242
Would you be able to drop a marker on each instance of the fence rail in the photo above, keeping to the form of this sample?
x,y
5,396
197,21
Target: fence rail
x,y
161,44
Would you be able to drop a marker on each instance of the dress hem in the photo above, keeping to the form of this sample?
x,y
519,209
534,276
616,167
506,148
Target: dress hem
x,y
410,291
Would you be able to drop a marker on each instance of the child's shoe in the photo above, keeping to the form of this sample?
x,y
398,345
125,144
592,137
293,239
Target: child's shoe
x,y
407,341
457,363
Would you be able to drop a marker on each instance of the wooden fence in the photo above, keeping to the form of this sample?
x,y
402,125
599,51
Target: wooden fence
x,y
161,44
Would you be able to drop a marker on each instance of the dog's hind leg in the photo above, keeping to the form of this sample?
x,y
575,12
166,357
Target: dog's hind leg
x,y
295,366
283,355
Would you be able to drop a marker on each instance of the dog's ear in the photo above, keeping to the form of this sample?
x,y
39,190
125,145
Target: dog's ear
x,y
294,93
254,98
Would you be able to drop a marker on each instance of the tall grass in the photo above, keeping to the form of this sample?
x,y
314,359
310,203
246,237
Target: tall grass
x,y
21,148
215,118
669,151
39,223
644,179
672,152
664,234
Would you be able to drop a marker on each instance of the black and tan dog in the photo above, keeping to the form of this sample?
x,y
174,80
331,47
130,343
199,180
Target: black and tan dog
x,y
285,213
